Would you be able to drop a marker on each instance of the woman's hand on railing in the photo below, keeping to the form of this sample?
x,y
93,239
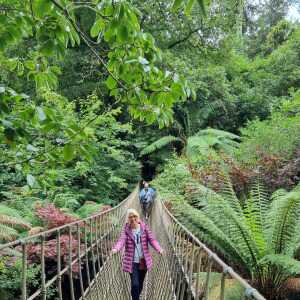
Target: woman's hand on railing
x,y
113,251
161,252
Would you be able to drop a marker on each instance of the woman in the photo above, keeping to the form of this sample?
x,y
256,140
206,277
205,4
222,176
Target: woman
x,y
137,260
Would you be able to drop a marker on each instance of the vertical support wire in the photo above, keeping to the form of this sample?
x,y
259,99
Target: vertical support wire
x,y
58,253
70,264
182,274
190,273
24,271
101,244
97,252
43,290
222,291
92,247
86,255
79,259
199,262
108,258
97,242
115,263
94,244
177,259
206,295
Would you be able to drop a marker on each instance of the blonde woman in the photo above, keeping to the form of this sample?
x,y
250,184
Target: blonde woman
x,y
135,237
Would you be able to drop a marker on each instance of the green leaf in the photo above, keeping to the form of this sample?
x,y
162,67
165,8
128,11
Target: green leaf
x,y
97,28
29,64
12,64
177,4
189,7
123,33
48,48
68,152
111,83
202,6
42,7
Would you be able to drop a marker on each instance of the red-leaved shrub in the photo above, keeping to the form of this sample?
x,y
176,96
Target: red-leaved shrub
x,y
53,216
50,251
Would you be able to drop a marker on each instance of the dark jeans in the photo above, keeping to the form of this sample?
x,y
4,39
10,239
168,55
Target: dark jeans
x,y
137,281
147,207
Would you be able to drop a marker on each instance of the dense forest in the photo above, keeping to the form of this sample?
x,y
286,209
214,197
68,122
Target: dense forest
x,y
201,97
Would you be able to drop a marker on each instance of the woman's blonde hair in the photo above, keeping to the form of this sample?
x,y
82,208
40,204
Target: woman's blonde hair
x,y
133,212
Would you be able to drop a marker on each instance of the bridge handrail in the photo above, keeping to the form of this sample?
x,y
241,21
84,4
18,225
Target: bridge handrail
x,y
53,230
249,290
87,245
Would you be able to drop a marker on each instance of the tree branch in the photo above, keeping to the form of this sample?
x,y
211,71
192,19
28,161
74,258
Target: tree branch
x,y
86,41
172,45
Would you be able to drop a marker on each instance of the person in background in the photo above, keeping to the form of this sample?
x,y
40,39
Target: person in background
x,y
137,260
147,196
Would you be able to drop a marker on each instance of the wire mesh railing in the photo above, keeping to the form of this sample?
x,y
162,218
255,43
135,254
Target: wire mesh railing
x,y
74,262
70,259
190,270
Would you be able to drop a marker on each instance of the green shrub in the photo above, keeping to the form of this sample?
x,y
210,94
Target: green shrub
x,y
278,136
10,279
89,209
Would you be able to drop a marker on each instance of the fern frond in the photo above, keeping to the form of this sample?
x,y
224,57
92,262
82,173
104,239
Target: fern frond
x,y
254,226
14,222
293,248
209,232
220,140
229,194
7,233
256,208
219,133
288,266
6,210
227,220
283,217
159,144
196,147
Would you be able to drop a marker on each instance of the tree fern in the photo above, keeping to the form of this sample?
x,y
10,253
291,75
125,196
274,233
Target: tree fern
x,y
205,142
261,236
10,222
209,142
159,144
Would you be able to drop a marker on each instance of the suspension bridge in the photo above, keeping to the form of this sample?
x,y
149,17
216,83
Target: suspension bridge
x,y
84,269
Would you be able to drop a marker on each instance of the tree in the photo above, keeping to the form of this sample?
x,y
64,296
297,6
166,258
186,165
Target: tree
x,y
42,128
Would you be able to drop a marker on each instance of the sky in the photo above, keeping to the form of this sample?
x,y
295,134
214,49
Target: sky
x,y
294,12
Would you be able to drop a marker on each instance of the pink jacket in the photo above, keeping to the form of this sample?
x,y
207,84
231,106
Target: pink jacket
x,y
126,239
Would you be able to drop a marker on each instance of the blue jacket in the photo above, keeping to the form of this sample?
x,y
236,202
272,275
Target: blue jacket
x,y
147,196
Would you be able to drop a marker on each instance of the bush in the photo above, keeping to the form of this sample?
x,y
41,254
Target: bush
x,y
278,136
10,279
